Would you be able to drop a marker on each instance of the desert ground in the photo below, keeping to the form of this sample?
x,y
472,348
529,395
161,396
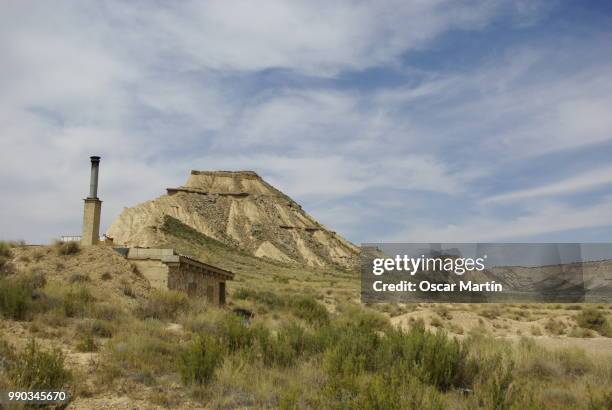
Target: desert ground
x,y
86,320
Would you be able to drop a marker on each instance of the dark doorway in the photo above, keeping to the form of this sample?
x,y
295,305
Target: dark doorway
x,y
222,293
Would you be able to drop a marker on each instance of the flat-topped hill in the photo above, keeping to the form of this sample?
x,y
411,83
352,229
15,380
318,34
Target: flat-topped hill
x,y
242,210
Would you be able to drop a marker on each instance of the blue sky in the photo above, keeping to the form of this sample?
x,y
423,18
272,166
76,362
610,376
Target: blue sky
x,y
405,121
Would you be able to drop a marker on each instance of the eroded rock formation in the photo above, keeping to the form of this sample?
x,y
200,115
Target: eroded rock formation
x,y
241,210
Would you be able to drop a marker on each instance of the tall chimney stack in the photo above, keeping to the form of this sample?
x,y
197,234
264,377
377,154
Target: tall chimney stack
x,y
93,180
93,207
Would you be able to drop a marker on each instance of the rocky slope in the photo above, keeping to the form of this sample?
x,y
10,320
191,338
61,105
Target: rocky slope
x,y
592,278
242,210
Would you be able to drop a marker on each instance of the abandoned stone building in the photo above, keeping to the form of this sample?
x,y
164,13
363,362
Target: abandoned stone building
x,y
164,268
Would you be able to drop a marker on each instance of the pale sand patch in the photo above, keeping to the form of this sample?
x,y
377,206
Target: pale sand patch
x,y
266,249
509,329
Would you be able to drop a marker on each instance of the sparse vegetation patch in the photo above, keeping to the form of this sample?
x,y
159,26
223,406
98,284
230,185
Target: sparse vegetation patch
x,y
36,368
594,319
67,248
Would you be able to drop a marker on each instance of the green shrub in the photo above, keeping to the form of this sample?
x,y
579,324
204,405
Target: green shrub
x,y
591,319
244,293
494,381
400,369
234,334
257,342
289,344
20,298
36,369
275,351
300,340
435,358
604,402
199,360
354,352
289,399
77,301
305,307
144,348
270,299
15,299
5,249
363,318
6,255
164,305
393,391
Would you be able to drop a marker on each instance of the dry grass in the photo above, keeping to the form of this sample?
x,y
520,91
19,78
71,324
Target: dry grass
x,y
67,248
595,319
34,368
555,327
308,345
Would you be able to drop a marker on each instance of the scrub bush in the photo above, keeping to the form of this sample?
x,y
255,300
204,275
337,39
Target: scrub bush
x,y
310,310
200,359
77,301
594,319
15,299
6,255
36,369
164,304
67,248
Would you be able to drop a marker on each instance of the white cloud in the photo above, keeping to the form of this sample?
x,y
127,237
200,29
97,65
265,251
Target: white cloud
x,y
158,88
313,37
546,219
578,183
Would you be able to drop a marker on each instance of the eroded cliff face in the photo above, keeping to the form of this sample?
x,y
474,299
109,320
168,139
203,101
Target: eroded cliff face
x,y
242,210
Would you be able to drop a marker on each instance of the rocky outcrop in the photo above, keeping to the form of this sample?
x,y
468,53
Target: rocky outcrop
x,y
242,210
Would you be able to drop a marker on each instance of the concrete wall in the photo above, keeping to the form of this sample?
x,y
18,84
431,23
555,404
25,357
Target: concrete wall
x,y
155,271
149,253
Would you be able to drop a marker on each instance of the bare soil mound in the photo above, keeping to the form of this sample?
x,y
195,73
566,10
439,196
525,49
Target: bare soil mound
x,y
99,267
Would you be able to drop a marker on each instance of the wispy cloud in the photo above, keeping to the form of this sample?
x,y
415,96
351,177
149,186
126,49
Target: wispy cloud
x,y
574,184
538,223
326,99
